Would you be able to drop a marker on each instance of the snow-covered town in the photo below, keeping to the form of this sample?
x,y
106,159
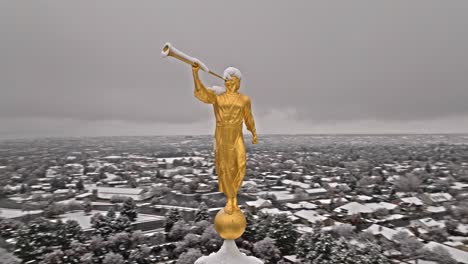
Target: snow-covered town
x,y
346,199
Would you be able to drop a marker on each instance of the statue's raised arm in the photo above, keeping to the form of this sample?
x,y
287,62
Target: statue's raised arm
x,y
201,92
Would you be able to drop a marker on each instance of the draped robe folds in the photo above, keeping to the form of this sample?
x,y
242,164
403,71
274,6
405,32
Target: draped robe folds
x,y
231,110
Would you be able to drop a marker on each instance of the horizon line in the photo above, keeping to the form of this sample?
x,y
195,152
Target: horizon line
x,y
247,135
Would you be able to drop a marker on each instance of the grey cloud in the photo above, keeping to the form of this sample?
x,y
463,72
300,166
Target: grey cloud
x,y
324,62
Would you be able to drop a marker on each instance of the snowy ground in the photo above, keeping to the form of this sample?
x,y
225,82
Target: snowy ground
x,y
14,213
171,160
84,220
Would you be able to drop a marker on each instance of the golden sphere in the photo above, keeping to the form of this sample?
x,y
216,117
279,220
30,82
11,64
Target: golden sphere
x,y
230,226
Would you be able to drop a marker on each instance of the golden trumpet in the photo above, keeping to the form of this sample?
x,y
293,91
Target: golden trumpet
x,y
169,50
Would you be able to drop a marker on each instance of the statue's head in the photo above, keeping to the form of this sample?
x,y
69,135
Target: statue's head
x,y
232,78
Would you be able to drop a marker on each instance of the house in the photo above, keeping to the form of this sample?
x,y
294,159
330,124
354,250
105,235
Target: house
x,y
12,188
435,211
63,192
428,223
313,217
291,259
364,198
353,208
301,205
83,196
253,206
296,184
203,188
136,194
462,229
411,204
436,198
459,186
338,186
274,211
457,254
272,179
329,204
382,205
282,196
385,232
249,187
314,192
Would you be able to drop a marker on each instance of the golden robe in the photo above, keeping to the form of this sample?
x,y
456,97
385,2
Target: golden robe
x,y
231,110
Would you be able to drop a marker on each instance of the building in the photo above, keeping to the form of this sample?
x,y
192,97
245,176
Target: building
x,y
136,194
254,206
313,217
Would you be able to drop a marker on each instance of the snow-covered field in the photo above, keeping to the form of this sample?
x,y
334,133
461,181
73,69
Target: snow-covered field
x,y
84,220
13,213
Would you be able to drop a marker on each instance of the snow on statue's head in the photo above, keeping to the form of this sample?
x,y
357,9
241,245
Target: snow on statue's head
x,y
232,78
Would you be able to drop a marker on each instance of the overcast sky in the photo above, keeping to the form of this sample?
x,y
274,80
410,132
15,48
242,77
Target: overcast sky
x,y
74,68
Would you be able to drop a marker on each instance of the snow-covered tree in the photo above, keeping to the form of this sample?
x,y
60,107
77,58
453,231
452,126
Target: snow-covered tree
x,y
251,229
439,254
111,212
210,240
321,247
102,225
304,245
282,231
172,216
374,254
98,247
408,246
189,241
189,257
113,258
262,227
72,255
202,213
344,230
267,250
179,230
122,224
80,185
53,209
41,237
199,227
87,206
140,255
129,209
120,243
9,227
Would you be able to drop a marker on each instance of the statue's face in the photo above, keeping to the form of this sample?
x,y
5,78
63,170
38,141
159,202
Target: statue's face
x,y
232,84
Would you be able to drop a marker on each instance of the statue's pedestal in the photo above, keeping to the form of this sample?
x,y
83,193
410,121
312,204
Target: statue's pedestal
x,y
228,254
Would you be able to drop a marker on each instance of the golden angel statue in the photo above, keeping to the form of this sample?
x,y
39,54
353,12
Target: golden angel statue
x,y
231,110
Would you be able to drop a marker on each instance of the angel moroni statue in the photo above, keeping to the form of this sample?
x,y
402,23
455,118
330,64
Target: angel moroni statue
x,y
232,109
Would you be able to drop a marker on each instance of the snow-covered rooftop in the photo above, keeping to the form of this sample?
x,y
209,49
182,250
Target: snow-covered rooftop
x,y
353,208
310,215
457,254
388,233
412,201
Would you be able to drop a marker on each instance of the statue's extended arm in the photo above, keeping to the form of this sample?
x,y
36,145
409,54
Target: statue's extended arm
x,y
249,121
201,92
